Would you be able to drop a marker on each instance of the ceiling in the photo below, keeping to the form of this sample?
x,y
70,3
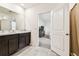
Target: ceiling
x,y
29,5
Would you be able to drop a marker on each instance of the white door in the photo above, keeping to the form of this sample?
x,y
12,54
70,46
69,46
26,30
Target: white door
x,y
60,31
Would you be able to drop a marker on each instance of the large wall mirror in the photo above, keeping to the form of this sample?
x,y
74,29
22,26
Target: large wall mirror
x,y
7,20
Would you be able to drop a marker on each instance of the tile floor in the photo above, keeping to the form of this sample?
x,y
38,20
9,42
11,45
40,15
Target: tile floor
x,y
35,51
44,42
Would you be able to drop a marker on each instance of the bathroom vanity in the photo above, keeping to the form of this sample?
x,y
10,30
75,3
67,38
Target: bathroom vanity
x,y
12,37
13,42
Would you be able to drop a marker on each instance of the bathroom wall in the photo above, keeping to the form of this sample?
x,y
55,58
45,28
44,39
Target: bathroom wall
x,y
41,23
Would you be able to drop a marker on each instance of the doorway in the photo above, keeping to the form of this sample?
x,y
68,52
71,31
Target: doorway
x,y
44,29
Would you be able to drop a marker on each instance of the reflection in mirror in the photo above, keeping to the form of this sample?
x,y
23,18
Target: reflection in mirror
x,y
7,20
5,25
13,25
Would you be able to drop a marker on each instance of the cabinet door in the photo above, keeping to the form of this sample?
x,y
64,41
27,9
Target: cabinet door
x,y
13,44
3,46
21,42
28,37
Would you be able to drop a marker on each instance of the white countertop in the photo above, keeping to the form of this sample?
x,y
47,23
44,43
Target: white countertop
x,y
12,32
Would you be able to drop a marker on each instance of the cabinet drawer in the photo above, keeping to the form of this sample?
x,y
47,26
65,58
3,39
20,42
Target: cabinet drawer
x,y
2,37
11,36
22,35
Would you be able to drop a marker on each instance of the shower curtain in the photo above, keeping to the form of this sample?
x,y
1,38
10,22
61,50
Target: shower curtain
x,y
74,30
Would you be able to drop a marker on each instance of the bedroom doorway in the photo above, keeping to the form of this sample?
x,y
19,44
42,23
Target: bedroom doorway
x,y
44,30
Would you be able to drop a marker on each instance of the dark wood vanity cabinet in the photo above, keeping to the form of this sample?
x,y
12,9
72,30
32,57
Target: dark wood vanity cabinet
x,y
12,43
24,40
28,38
3,46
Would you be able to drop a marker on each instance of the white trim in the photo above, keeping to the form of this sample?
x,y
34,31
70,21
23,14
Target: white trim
x,y
51,28
38,28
